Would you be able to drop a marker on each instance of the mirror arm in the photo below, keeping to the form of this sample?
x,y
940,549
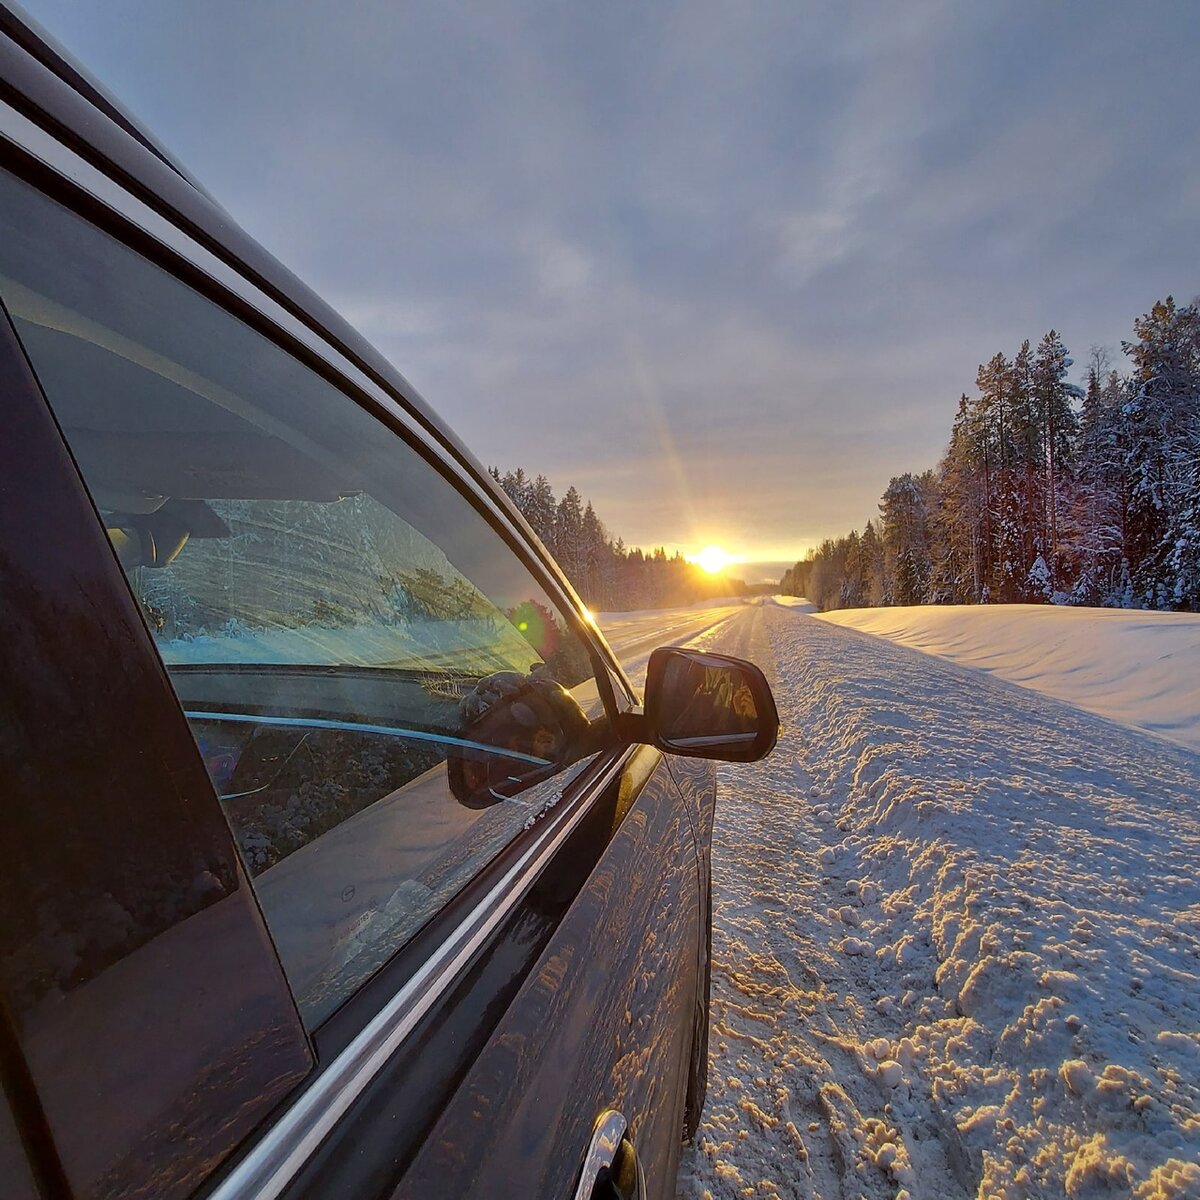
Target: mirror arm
x,y
633,727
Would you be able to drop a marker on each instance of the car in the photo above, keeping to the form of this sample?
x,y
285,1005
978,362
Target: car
x,y
342,858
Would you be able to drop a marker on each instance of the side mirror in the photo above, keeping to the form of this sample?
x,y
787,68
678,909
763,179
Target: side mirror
x,y
708,706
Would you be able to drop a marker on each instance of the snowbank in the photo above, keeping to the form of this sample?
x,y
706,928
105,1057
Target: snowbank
x,y
1138,668
956,942
796,602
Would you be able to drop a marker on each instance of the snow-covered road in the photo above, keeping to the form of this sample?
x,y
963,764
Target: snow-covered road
x,y
634,635
956,939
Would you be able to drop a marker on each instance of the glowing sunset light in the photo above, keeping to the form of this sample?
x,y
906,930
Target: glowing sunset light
x,y
713,559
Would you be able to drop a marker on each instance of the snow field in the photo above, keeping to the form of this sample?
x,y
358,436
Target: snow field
x,y
1138,668
956,942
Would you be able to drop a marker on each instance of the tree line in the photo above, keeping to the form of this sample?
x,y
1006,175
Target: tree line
x,y
608,575
1047,492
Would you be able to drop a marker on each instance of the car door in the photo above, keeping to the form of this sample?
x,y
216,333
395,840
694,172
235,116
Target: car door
x,y
146,1027
488,922
602,1023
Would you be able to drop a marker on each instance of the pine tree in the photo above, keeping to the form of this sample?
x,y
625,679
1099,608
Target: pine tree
x,y
1095,544
568,535
1160,426
854,584
905,512
1029,424
516,487
1052,396
540,510
959,520
872,553
595,551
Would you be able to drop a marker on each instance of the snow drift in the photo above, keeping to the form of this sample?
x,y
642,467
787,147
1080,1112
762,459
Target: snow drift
x,y
1138,668
956,941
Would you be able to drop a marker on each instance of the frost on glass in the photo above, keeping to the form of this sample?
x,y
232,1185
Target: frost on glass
x,y
300,581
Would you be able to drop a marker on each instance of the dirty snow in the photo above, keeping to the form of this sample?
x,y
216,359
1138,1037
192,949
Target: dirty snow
x,y
956,939
1139,668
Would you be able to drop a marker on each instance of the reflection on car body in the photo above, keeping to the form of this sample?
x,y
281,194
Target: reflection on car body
x,y
335,830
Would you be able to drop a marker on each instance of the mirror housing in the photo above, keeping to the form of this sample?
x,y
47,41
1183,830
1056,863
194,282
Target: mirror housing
x,y
701,705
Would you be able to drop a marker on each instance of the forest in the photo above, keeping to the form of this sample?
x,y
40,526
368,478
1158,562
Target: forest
x,y
1048,492
608,575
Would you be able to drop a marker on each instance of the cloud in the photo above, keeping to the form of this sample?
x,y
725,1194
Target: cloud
x,y
726,268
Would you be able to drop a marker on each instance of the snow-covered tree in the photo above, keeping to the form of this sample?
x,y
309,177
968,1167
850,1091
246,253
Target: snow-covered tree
x,y
540,510
1160,423
568,534
1052,397
905,509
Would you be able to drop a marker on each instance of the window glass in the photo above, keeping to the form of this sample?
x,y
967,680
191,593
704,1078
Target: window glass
x,y
381,691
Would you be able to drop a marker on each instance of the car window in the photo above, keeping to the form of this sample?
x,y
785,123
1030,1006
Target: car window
x,y
383,694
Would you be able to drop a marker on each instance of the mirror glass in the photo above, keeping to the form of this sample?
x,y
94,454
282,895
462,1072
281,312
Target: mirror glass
x,y
706,702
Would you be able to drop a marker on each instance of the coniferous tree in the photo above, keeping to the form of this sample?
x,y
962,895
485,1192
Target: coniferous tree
x,y
595,552
1029,426
568,534
872,553
1095,543
1183,557
1160,425
540,512
1039,498
1052,397
958,523
905,512
856,578
606,574
516,487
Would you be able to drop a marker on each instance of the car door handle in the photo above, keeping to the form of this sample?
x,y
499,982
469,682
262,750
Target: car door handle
x,y
611,1169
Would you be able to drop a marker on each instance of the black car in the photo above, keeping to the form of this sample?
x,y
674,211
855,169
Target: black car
x,y
339,859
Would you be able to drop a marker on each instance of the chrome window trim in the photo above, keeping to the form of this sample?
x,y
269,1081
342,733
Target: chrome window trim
x,y
271,1164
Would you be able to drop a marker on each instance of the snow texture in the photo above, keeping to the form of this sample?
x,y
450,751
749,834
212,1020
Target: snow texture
x,y
1138,668
956,938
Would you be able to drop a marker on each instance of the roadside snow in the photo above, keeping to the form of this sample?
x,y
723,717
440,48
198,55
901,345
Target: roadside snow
x,y
1138,668
956,940
795,602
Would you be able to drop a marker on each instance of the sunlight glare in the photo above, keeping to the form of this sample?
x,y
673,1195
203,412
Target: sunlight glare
x,y
712,559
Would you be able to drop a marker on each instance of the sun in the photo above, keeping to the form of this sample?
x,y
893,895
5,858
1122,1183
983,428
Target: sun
x,y
712,559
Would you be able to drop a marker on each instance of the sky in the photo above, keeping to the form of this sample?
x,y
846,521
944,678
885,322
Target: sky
x,y
726,268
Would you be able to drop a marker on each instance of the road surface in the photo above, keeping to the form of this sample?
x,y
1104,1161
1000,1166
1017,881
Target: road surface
x,y
634,635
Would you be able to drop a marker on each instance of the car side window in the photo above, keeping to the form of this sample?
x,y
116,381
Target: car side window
x,y
374,679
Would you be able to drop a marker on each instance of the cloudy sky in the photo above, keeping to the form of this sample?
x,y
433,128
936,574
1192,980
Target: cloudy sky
x,y
725,267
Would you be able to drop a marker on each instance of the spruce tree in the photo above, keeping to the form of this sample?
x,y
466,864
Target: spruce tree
x,y
1053,396
568,535
540,511
905,511
1160,427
